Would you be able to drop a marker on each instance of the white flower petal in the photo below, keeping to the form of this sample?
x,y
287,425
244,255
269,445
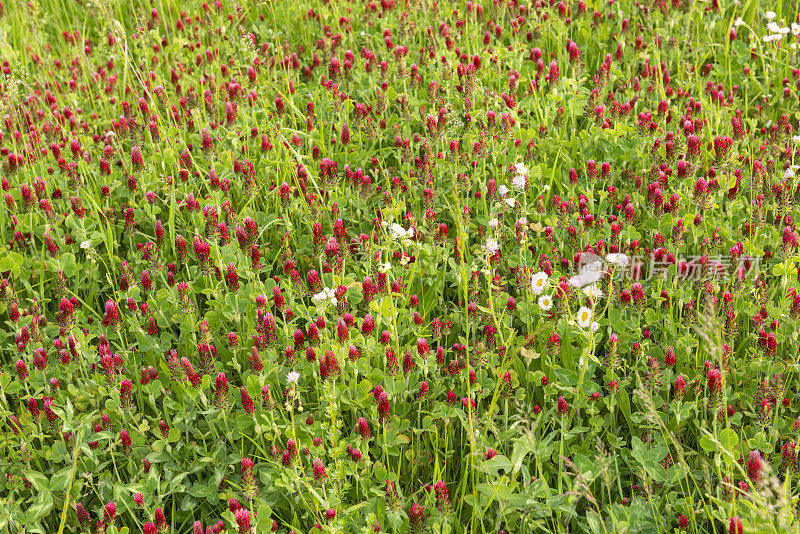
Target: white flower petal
x,y
593,292
538,282
584,317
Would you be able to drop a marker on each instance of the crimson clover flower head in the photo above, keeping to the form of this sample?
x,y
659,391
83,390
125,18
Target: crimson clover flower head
x,y
562,406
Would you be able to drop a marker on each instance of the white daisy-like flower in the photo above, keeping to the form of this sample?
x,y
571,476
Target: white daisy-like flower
x,y
594,326
493,223
773,27
769,15
584,317
777,36
502,190
519,182
523,221
292,377
795,29
538,282
618,259
85,245
593,292
784,30
397,231
511,202
492,246
545,302
521,168
788,174
738,22
385,267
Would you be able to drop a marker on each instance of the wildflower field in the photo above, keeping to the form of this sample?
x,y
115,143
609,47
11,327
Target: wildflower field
x,y
399,266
